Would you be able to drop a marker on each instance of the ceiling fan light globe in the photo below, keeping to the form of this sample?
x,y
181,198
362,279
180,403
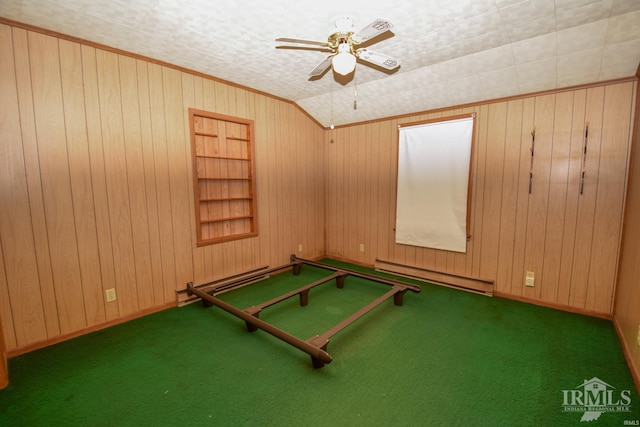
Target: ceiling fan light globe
x,y
344,63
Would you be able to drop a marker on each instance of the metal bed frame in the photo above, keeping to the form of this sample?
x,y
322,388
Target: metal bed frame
x,y
316,346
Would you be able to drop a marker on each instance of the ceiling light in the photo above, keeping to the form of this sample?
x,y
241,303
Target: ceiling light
x,y
344,62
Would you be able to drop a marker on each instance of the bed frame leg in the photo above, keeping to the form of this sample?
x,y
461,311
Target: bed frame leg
x,y
340,280
304,298
317,363
255,312
397,298
297,266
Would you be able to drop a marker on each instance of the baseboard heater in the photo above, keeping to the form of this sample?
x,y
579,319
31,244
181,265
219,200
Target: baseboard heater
x,y
467,283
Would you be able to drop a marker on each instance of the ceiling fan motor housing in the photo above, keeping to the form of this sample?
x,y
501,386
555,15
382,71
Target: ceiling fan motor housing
x,y
337,39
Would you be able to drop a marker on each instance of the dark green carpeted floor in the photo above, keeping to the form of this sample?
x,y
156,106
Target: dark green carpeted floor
x,y
444,358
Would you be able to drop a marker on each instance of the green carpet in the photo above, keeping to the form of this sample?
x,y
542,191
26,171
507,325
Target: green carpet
x,y
444,358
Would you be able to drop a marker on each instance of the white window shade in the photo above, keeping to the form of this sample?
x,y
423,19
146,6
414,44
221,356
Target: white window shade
x,y
433,182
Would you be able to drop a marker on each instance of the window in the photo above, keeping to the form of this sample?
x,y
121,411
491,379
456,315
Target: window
x,y
434,173
223,177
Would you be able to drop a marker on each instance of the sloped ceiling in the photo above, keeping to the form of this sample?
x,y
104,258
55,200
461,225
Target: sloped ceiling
x,y
452,51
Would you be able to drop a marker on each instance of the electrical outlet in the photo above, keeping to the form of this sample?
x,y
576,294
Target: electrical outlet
x,y
111,294
529,279
299,247
361,247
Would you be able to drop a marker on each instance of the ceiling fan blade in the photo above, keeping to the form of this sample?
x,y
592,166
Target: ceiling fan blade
x,y
372,30
310,48
313,42
378,59
321,67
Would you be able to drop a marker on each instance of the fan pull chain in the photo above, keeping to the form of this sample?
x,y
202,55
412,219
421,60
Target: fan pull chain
x,y
331,82
355,92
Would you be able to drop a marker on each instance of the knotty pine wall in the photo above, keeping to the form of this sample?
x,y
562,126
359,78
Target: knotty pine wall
x,y
570,241
96,188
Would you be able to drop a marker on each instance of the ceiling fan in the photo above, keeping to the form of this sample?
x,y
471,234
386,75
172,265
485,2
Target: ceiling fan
x,y
342,44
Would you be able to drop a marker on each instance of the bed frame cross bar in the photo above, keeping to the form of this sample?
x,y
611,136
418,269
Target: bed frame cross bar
x,y
318,355
303,292
322,341
298,262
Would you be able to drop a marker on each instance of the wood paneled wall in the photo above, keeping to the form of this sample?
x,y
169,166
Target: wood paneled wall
x,y
95,180
4,366
95,176
627,311
569,240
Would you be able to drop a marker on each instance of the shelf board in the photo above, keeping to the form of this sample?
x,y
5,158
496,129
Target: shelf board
x,y
225,199
231,218
224,179
213,135
198,156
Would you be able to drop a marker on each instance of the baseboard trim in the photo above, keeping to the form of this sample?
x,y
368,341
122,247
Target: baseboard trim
x,y
65,337
561,307
635,374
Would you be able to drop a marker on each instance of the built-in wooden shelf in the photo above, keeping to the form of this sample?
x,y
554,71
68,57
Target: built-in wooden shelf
x,y
223,177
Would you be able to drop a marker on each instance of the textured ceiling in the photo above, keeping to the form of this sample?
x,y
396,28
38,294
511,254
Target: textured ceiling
x,y
452,52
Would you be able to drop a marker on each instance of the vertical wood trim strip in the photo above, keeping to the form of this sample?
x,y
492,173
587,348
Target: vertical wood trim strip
x,y
81,187
38,234
612,170
56,183
23,316
587,202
